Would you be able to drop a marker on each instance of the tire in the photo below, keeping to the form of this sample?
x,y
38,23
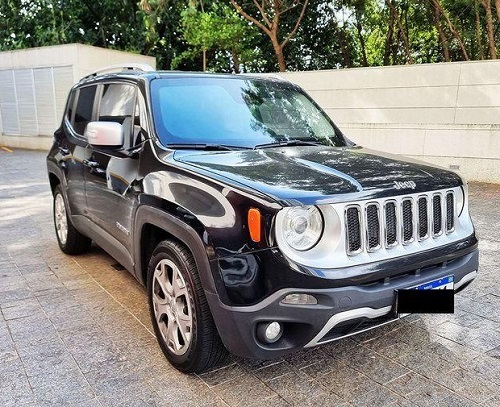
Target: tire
x,y
180,315
70,240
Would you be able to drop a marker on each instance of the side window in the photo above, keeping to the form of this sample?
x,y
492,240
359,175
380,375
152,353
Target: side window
x,y
84,106
117,105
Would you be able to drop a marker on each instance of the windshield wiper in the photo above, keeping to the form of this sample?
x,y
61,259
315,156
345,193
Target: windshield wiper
x,y
285,143
205,146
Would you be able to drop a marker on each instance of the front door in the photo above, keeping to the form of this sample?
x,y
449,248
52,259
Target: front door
x,y
109,173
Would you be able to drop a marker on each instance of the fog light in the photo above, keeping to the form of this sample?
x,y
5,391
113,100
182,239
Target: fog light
x,y
299,299
269,332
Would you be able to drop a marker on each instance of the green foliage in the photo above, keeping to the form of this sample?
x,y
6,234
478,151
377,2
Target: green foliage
x,y
33,23
338,33
221,30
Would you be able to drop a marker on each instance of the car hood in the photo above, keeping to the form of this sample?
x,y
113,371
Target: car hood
x,y
316,174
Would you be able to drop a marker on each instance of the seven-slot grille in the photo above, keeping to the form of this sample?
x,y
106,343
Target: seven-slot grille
x,y
374,225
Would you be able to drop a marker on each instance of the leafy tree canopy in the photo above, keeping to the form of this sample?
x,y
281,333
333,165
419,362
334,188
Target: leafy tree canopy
x,y
182,34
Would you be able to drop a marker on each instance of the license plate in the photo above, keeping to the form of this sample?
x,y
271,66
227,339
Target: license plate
x,y
432,297
445,283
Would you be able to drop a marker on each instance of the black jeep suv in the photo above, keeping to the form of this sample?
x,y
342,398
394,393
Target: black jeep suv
x,y
254,223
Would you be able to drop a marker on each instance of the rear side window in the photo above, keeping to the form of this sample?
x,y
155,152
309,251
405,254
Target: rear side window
x,y
84,107
117,105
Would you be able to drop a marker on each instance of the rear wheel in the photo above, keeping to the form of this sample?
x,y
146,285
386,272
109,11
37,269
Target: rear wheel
x,y
181,319
70,240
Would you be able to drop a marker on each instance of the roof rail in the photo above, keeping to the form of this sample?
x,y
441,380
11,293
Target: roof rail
x,y
121,68
266,75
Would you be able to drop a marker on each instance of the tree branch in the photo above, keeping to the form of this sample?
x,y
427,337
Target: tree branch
x,y
250,18
294,4
297,24
262,12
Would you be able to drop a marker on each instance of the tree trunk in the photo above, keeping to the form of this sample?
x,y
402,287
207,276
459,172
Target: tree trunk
x,y
409,58
453,31
270,26
478,30
497,6
489,24
278,50
343,48
388,40
236,62
359,29
442,37
395,47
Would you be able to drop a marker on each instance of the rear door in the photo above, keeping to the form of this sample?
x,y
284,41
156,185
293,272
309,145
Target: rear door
x,y
72,148
111,172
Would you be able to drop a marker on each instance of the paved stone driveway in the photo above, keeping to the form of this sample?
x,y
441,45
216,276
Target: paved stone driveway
x,y
75,330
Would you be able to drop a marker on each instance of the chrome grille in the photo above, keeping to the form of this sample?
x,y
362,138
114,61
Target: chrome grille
x,y
353,228
423,218
407,216
437,212
388,223
373,226
450,215
391,227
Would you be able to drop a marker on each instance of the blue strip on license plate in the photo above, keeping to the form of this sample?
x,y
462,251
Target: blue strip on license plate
x,y
444,283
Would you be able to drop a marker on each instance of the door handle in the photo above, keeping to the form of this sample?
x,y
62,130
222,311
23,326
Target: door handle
x,y
91,164
64,150
94,167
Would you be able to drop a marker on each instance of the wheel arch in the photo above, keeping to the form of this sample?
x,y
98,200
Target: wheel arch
x,y
153,225
56,176
54,181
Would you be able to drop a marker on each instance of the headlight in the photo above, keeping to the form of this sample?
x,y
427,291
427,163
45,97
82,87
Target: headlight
x,y
302,227
460,199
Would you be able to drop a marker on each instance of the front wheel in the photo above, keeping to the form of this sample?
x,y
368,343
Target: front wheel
x,y
181,319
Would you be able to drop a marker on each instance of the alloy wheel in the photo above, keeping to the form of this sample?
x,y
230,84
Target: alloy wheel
x,y
61,219
172,307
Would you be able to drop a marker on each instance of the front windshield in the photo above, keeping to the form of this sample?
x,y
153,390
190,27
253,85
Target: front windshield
x,y
237,112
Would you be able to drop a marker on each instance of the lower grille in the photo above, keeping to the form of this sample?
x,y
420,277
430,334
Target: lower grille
x,y
400,222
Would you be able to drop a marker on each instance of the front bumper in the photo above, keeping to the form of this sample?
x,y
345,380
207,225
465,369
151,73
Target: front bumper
x,y
340,311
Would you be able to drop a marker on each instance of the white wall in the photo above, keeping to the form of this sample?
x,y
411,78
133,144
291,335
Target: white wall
x,y
34,85
447,114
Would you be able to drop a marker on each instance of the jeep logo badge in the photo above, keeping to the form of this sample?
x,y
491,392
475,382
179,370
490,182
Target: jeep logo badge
x,y
404,185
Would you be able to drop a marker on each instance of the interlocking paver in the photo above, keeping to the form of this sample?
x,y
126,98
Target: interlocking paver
x,y
15,388
76,331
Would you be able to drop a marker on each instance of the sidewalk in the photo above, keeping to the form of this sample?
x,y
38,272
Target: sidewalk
x,y
75,330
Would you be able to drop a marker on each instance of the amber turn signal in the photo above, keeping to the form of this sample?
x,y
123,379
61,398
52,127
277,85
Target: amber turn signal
x,y
254,223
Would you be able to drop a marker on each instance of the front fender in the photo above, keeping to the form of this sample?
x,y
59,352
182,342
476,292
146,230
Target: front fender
x,y
191,238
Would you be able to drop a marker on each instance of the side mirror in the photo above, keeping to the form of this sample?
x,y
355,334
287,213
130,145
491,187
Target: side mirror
x,y
109,134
